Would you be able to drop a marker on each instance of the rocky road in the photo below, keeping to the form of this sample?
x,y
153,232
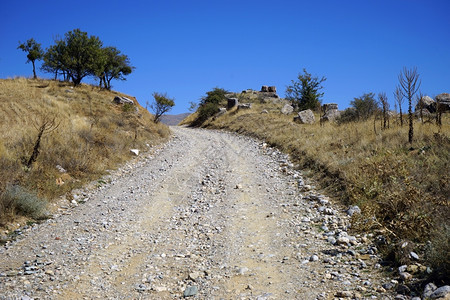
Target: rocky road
x,y
209,215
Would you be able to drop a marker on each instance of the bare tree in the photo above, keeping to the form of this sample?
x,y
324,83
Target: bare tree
x,y
410,84
46,124
439,110
399,100
385,106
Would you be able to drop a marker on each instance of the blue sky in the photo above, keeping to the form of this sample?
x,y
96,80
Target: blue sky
x,y
186,48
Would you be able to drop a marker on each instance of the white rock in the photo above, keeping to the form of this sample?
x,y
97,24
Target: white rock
x,y
135,151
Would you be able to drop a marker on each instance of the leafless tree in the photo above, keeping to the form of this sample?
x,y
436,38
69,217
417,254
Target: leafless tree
x,y
410,84
439,110
399,100
385,106
45,124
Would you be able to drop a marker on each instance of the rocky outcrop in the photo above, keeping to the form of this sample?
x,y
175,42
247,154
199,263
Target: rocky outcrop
x,y
287,109
245,106
264,89
305,117
122,100
443,101
426,103
221,112
232,102
331,112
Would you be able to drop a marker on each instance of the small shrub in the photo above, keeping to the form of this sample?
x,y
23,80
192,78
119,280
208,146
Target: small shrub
x,y
16,200
127,107
437,252
205,112
348,115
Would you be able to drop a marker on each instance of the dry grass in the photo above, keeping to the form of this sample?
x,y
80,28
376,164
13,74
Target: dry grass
x,y
402,190
93,136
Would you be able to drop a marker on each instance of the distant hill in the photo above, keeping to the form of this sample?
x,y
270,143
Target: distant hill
x,y
173,120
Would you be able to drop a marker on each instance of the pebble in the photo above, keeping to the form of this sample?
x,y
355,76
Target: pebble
x,y
190,291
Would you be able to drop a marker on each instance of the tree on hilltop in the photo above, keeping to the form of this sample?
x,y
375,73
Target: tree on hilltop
x,y
34,51
113,65
304,93
81,54
76,56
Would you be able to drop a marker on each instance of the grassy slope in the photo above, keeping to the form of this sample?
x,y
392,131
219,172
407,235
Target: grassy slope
x,y
403,192
94,135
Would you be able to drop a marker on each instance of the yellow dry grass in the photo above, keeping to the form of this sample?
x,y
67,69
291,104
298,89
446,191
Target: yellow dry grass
x,y
93,136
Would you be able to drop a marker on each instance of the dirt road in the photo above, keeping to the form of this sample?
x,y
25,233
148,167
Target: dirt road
x,y
210,215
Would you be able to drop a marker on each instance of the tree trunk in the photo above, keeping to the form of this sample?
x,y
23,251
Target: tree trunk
x,y
401,116
34,70
411,125
35,153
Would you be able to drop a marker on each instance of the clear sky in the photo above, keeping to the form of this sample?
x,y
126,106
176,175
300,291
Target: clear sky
x,y
186,48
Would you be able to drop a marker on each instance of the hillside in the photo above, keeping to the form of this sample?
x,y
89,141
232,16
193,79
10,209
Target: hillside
x,y
172,120
84,134
401,189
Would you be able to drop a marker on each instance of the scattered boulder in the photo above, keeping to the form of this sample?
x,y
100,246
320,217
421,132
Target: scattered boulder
x,y
221,112
443,101
245,106
426,103
305,117
122,100
353,209
264,89
264,111
429,289
232,102
287,109
135,151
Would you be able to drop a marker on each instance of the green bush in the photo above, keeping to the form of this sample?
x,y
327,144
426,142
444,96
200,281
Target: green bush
x,y
205,112
16,200
209,105
348,115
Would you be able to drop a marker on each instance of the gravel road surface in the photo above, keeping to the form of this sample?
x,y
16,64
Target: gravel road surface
x,y
209,215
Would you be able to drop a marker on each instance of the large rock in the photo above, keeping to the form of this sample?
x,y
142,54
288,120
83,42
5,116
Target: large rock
x,y
264,88
232,102
245,106
122,100
331,115
426,103
329,106
444,102
272,89
221,112
441,292
287,109
305,117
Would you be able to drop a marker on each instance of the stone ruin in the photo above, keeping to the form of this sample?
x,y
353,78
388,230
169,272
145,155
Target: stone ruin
x,y
268,89
330,112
